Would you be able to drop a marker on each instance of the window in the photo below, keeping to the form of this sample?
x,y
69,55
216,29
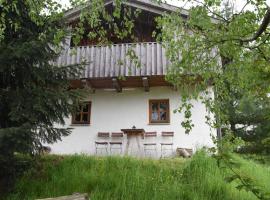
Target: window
x,y
159,111
82,115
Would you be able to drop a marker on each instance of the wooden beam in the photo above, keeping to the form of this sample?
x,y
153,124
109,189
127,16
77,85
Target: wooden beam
x,y
87,84
116,85
146,84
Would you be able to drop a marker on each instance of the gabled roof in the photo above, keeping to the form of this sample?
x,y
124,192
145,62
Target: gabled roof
x,y
147,5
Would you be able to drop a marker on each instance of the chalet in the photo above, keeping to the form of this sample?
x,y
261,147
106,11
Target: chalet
x,y
134,114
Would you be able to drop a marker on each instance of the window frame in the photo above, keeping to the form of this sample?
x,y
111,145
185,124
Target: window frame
x,y
74,122
151,101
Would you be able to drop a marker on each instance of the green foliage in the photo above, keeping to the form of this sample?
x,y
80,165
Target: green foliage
x,y
245,179
216,44
34,93
129,178
97,23
209,47
104,26
249,118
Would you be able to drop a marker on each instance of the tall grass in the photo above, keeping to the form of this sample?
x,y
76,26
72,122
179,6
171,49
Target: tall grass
x,y
130,178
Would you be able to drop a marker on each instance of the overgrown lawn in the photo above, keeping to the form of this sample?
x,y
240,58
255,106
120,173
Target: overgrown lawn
x,y
104,178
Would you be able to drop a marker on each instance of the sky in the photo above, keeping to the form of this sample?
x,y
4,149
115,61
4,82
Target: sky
x,y
238,3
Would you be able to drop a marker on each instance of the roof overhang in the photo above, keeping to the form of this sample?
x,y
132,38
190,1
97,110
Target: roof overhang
x,y
146,5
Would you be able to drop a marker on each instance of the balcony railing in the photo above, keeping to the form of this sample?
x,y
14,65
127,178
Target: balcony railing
x,y
115,61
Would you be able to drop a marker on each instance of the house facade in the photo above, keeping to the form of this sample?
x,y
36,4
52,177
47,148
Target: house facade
x,y
124,98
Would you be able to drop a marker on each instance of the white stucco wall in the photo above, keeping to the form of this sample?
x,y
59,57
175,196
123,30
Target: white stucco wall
x,y
112,111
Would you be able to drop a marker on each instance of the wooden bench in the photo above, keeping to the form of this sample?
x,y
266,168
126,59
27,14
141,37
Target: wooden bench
x,y
71,197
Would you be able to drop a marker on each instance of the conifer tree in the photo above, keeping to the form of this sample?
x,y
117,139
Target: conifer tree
x,y
34,92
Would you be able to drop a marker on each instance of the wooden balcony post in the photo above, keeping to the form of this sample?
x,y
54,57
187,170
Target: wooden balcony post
x,y
116,85
87,84
146,84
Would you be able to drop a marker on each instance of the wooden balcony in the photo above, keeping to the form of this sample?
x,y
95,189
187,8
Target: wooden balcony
x,y
114,61
105,64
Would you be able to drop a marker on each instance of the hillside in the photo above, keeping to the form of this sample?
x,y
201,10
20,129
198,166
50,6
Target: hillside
x,y
129,178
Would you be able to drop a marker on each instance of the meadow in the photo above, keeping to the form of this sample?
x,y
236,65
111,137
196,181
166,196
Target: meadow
x,y
127,178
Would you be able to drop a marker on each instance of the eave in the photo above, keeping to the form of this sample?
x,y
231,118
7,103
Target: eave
x,y
146,5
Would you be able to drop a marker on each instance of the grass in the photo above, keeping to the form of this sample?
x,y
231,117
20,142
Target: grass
x,y
260,158
198,178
